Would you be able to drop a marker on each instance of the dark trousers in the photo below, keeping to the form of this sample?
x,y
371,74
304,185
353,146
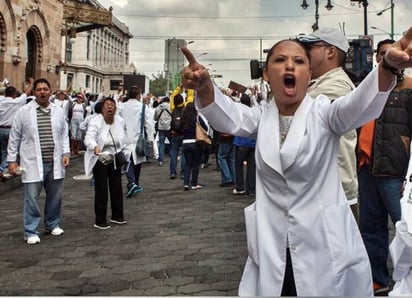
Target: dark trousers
x,y
245,154
289,287
133,173
106,178
192,154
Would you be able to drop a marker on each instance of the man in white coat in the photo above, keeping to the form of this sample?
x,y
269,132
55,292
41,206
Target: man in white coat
x,y
132,112
39,136
302,237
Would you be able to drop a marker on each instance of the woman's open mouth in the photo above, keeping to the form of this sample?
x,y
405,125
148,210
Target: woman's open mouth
x,y
289,82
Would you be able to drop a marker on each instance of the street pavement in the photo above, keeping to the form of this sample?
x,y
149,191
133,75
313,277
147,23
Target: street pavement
x,y
175,242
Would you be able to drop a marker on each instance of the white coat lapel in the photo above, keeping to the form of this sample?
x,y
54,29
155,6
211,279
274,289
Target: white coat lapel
x,y
268,140
289,150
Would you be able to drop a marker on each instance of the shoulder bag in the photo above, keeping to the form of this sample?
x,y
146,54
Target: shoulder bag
x,y
141,144
119,157
201,135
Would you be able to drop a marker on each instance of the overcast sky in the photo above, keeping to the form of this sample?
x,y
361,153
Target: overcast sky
x,y
232,32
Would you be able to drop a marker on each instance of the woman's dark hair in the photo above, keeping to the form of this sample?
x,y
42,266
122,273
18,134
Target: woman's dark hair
x,y
98,107
189,115
109,99
178,99
245,99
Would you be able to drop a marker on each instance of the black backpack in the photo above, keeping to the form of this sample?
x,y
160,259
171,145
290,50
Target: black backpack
x,y
176,125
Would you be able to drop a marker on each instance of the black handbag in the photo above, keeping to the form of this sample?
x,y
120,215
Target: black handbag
x,y
119,157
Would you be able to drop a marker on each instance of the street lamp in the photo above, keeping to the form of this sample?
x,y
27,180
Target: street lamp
x,y
201,55
392,8
328,6
381,30
365,14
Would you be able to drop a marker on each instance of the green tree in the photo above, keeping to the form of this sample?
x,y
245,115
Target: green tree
x,y
158,84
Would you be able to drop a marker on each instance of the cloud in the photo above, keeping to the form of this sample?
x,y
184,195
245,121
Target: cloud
x,y
234,31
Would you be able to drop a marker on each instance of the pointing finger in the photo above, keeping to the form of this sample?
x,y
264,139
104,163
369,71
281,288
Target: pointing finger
x,y
189,56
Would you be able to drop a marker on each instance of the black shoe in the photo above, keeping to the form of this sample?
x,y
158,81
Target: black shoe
x,y
103,226
226,184
118,221
173,176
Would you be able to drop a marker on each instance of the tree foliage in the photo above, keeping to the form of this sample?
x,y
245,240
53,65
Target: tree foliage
x,y
158,84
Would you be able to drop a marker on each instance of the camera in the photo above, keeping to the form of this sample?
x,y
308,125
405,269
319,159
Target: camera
x,y
359,59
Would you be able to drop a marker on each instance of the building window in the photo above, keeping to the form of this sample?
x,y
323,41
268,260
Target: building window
x,y
87,83
69,78
88,46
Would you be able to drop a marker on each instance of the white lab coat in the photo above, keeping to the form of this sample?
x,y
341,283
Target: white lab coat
x,y
300,201
96,134
401,245
24,140
131,114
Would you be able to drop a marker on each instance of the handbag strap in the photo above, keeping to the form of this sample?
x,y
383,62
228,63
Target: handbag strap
x,y
142,118
114,144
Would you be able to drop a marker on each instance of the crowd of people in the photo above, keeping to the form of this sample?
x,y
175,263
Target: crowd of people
x,y
314,142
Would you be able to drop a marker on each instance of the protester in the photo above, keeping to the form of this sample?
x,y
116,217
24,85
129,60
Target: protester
x,y
191,150
245,152
8,108
106,136
302,237
134,110
39,136
383,153
163,116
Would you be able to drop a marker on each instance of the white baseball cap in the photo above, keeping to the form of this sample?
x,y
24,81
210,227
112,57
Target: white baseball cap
x,y
331,36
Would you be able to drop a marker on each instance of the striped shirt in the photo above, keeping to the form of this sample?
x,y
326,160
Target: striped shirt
x,y
45,134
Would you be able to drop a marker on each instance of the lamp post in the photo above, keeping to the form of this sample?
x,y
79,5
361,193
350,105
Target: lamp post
x,y
392,8
365,14
328,6
381,30
201,55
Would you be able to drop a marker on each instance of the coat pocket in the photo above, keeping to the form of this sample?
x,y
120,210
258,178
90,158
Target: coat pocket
x,y
251,232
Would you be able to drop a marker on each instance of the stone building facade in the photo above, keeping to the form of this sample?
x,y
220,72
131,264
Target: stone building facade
x,y
30,39
96,60
63,41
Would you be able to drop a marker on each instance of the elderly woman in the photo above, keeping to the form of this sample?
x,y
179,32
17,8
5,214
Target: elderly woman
x,y
105,137
302,237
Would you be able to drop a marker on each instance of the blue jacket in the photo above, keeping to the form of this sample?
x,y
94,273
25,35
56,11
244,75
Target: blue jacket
x,y
244,142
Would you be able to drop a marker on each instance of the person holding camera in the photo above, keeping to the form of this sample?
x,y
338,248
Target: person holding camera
x,y
106,157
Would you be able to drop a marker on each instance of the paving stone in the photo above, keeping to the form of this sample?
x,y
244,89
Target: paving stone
x,y
175,243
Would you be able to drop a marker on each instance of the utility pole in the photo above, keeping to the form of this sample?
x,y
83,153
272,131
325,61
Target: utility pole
x,y
365,14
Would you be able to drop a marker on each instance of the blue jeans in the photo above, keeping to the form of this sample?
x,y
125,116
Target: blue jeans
x,y
193,155
163,134
226,159
378,198
54,194
175,144
4,141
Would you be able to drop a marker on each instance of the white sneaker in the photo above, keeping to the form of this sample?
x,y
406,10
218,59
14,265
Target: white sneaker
x,y
238,192
57,231
33,239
